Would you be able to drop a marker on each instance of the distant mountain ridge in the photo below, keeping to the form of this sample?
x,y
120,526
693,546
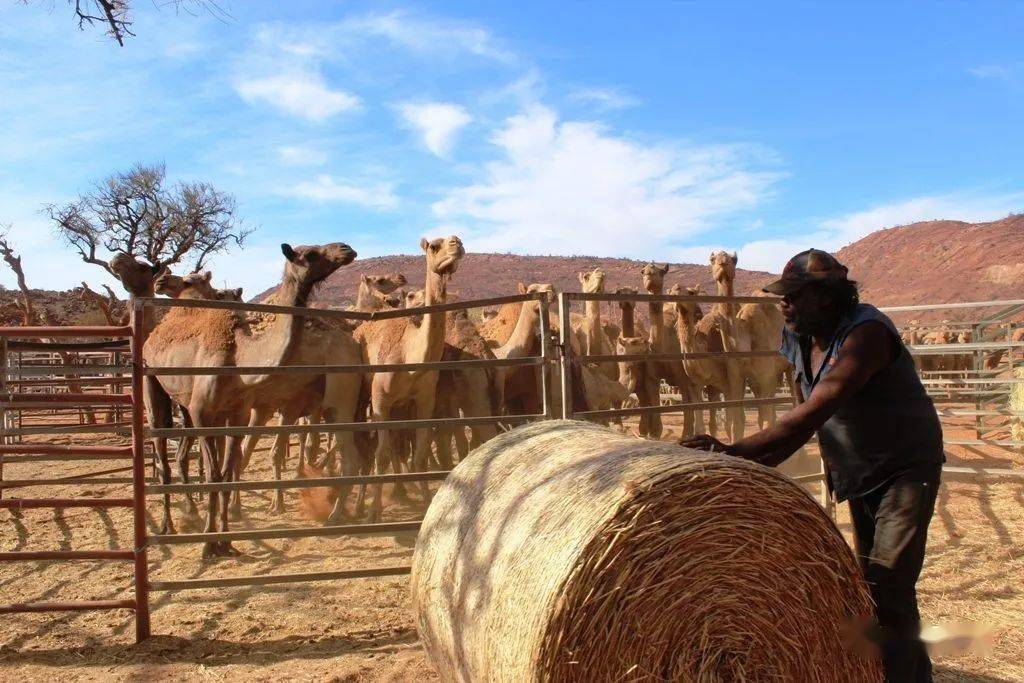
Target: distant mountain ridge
x,y
928,262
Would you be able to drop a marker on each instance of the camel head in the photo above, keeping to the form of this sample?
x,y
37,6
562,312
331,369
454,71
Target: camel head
x,y
415,298
229,294
383,284
191,286
443,255
136,276
308,266
627,305
630,346
723,266
688,311
592,281
653,275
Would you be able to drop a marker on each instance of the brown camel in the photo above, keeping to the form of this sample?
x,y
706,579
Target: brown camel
x,y
398,340
378,292
513,332
707,374
217,338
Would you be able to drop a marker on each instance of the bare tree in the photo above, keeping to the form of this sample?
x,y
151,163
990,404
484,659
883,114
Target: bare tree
x,y
116,15
138,214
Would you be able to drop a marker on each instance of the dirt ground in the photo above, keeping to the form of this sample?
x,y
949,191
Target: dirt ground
x,y
363,630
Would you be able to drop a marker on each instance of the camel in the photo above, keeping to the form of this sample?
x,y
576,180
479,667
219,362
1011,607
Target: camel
x,y
218,338
398,340
724,334
377,292
707,374
663,340
513,332
475,392
589,329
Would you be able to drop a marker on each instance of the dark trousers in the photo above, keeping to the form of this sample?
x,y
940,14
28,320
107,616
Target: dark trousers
x,y
891,527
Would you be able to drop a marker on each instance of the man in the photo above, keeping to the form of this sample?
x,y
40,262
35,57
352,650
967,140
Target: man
x,y
879,436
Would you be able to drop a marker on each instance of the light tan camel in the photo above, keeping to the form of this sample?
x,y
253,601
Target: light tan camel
x,y
663,339
720,322
217,338
398,340
378,292
589,329
476,392
762,325
707,374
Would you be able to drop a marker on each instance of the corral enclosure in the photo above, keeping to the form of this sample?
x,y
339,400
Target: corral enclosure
x,y
362,628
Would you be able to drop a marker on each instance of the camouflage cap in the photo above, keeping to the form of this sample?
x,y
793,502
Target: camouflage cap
x,y
813,265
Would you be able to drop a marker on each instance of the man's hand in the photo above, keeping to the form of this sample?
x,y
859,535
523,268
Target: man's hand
x,y
703,442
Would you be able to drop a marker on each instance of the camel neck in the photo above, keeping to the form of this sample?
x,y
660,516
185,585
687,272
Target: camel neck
x,y
657,313
363,298
592,323
628,323
435,291
277,343
519,344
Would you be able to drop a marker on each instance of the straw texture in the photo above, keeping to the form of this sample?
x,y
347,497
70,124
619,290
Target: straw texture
x,y
566,551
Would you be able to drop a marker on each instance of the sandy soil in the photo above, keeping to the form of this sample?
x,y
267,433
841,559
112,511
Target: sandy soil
x,y
363,630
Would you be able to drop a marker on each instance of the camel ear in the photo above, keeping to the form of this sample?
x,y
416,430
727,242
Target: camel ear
x,y
735,259
582,277
365,278
288,252
522,288
238,293
663,267
208,275
424,244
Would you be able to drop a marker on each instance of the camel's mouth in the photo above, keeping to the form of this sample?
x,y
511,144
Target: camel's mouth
x,y
448,265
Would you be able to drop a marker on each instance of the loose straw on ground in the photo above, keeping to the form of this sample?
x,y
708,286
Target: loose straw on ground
x,y
566,551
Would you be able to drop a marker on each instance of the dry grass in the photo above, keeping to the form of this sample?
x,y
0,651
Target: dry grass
x,y
565,551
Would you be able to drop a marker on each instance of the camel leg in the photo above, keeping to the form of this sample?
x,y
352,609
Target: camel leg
x,y
209,447
736,416
424,409
181,456
258,416
280,455
158,405
232,463
443,443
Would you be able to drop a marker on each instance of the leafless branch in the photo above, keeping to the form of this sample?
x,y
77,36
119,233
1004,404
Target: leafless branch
x,y
137,214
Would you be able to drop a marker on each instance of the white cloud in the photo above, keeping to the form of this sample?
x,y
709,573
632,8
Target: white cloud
x,y
437,122
326,188
605,98
573,187
296,155
299,93
835,233
996,72
421,34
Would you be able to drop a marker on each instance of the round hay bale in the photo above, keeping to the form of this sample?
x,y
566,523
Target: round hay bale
x,y
565,551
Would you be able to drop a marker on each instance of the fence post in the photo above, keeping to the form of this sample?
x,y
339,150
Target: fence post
x,y
545,353
565,366
3,412
138,340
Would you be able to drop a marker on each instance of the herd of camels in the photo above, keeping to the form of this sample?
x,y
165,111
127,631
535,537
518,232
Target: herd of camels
x,y
211,337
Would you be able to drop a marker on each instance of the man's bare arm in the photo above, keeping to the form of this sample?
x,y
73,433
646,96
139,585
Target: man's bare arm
x,y
868,349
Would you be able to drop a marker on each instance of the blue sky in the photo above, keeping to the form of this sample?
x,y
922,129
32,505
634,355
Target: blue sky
x,y
648,130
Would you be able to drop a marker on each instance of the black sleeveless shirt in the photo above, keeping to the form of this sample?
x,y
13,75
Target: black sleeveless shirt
x,y
886,428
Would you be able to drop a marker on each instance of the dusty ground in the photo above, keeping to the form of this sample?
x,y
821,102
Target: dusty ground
x,y
363,629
